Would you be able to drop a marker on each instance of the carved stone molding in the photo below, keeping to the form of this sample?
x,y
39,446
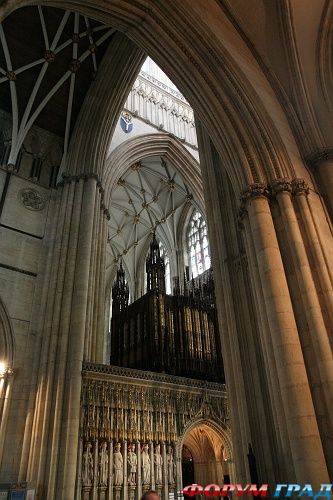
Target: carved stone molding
x,y
31,199
299,186
171,406
90,368
323,154
280,185
255,190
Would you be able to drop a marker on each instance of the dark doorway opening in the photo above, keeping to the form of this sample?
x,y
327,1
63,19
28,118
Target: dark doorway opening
x,y
187,466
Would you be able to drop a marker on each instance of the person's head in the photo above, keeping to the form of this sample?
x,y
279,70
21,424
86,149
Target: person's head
x,y
150,495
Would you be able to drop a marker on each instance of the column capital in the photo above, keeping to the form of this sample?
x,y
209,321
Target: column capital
x,y
321,154
68,178
299,186
255,190
280,185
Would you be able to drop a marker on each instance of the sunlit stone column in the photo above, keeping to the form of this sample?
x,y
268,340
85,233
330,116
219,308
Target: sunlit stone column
x,y
293,383
320,350
70,428
285,467
321,265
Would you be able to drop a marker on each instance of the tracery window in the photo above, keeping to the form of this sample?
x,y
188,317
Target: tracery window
x,y
198,245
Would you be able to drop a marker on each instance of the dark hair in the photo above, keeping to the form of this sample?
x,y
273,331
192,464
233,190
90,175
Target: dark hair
x,y
145,496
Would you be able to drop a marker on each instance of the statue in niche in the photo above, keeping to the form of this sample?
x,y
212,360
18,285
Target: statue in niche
x,y
132,460
158,464
145,462
87,466
171,466
118,466
103,461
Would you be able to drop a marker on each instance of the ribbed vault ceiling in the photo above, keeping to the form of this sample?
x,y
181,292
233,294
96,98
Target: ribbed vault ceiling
x,y
204,444
48,60
151,196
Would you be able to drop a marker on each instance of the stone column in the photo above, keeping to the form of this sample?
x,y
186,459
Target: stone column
x,y
70,426
63,311
36,432
293,383
320,349
283,453
89,349
322,267
102,285
78,492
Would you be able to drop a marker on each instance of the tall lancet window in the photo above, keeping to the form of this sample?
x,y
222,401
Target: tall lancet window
x,y
198,245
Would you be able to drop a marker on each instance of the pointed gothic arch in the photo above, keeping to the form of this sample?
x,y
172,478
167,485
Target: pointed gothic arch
x,y
219,80
208,440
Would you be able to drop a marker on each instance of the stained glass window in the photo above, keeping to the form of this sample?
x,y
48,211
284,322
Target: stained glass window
x,y
198,245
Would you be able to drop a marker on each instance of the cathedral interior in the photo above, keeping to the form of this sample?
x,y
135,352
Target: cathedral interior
x,y
166,246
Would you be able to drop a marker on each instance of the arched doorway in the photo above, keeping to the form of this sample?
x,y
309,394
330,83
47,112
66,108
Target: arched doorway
x,y
205,456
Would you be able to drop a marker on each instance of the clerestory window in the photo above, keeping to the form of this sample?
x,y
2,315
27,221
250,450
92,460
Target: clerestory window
x,y
198,245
